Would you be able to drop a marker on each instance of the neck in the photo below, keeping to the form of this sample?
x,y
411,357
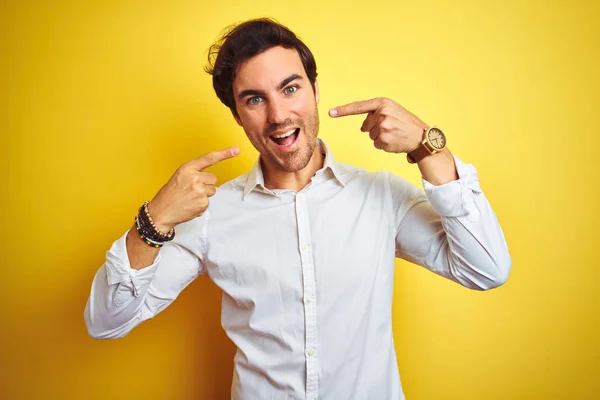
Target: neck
x,y
296,181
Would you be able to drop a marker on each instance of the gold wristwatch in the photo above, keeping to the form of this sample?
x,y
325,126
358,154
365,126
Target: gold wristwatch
x,y
433,142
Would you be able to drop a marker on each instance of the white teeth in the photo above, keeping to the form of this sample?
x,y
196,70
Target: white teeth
x,y
284,135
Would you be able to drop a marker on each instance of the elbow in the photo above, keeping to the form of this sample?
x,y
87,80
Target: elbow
x,y
495,282
485,274
97,330
97,333
498,274
94,330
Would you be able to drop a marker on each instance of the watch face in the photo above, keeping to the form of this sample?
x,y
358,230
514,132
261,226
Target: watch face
x,y
437,138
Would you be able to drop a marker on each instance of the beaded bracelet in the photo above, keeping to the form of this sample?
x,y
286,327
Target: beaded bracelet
x,y
169,235
148,223
146,240
146,228
148,231
145,222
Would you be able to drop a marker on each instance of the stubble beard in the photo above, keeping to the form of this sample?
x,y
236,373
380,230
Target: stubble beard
x,y
297,160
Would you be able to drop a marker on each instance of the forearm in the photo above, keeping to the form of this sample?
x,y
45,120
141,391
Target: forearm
x,y
122,297
140,254
456,233
111,310
477,254
118,292
438,168
468,249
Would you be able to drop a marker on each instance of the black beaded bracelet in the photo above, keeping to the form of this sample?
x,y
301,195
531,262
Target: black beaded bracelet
x,y
149,242
148,229
149,223
148,218
145,226
147,233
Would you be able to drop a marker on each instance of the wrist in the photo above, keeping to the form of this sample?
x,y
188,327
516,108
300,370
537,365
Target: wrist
x,y
433,141
438,168
417,136
148,231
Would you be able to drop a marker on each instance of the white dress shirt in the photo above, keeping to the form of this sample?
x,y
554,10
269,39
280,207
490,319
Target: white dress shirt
x,y
307,277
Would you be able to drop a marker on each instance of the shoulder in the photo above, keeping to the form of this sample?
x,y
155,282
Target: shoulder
x,y
384,183
234,185
228,194
353,174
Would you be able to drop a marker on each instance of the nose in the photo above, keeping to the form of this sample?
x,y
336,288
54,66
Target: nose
x,y
277,111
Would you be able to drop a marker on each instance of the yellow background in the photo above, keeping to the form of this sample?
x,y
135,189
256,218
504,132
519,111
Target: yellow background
x,y
101,101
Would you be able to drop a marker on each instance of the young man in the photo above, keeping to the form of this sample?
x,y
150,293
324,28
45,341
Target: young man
x,y
302,246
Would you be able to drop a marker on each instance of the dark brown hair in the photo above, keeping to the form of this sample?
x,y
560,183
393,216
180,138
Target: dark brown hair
x,y
241,42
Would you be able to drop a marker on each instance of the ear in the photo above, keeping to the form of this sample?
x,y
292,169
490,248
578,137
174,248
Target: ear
x,y
317,91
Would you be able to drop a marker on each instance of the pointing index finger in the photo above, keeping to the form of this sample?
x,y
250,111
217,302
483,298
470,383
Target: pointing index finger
x,y
358,107
214,158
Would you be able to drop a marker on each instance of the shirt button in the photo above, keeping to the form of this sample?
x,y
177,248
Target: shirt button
x,y
309,300
306,247
311,353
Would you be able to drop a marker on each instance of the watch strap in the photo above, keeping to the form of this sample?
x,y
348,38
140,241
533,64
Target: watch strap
x,y
418,154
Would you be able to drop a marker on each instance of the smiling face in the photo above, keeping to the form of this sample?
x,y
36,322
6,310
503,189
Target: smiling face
x,y
277,108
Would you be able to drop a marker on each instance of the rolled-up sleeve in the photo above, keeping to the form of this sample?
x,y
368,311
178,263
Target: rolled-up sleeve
x,y
122,297
453,231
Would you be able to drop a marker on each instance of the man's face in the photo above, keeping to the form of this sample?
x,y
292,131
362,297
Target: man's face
x,y
277,108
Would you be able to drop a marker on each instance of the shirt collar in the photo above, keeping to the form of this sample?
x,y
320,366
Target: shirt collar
x,y
256,178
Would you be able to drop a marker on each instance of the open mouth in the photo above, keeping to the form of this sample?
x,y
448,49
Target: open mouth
x,y
286,139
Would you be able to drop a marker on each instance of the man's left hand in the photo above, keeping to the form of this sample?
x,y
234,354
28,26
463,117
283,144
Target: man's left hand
x,y
391,127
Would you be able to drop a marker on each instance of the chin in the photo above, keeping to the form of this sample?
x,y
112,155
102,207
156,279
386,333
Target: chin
x,y
295,161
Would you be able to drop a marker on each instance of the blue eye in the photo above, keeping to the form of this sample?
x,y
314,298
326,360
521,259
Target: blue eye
x,y
291,89
254,100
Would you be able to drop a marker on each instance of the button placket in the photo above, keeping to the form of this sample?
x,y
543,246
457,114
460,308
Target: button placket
x,y
308,285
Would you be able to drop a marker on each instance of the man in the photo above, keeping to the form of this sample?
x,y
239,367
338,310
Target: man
x,y
302,246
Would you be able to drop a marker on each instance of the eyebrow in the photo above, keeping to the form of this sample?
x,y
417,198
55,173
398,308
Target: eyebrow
x,y
282,84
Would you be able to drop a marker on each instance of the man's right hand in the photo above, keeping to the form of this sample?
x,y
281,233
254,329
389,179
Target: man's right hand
x,y
185,195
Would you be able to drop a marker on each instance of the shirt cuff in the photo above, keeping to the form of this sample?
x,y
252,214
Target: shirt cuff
x,y
456,198
118,268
